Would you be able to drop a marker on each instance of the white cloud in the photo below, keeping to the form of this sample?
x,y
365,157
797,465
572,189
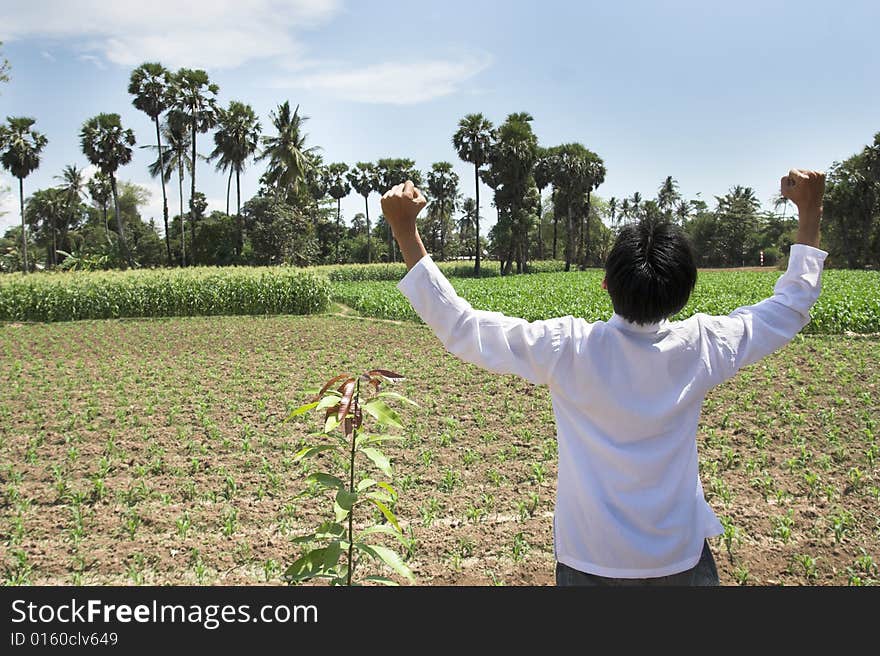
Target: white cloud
x,y
9,213
45,54
92,59
196,33
394,83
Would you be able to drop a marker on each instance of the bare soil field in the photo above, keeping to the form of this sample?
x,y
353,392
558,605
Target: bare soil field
x,y
153,451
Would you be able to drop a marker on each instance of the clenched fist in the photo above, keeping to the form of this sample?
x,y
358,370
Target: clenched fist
x,y
401,205
804,188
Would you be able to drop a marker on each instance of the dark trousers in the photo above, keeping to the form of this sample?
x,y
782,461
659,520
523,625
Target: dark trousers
x,y
703,573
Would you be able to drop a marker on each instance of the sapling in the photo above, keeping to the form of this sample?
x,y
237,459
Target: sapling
x,y
345,551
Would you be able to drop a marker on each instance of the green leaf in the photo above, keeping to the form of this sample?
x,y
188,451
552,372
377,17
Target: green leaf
x,y
388,487
303,538
387,530
379,459
346,499
339,512
387,512
327,402
309,451
299,411
387,556
380,495
330,530
331,424
331,555
378,439
326,481
399,397
365,484
307,566
384,580
382,413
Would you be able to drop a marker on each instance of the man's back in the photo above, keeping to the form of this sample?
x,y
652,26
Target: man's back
x,y
626,396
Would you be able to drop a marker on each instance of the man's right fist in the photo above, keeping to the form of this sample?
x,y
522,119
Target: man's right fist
x,y
400,206
804,188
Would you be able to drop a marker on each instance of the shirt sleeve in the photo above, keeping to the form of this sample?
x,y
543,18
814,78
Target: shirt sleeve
x,y
752,332
502,344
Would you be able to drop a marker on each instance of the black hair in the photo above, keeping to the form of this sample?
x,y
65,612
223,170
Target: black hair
x,y
650,272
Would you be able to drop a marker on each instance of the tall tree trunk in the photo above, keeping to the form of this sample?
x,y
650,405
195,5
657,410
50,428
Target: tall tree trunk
x,y
540,228
568,238
369,237
182,217
477,223
509,260
164,195
54,241
192,193
555,220
239,229
122,243
338,236
106,225
228,189
442,231
23,227
586,237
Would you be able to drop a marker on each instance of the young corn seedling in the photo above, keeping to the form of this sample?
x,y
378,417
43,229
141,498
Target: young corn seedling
x,y
342,402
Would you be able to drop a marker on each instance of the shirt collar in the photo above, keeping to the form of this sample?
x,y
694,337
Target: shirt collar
x,y
619,322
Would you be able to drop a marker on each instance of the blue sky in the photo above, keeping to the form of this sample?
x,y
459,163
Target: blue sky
x,y
712,93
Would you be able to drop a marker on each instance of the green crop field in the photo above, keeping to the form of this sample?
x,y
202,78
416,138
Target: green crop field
x,y
850,300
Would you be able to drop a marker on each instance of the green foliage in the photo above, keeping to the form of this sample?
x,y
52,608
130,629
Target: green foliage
x,y
161,293
850,300
345,551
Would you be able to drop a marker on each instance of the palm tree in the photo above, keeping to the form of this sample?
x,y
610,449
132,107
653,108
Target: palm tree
x,y
364,179
667,196
543,175
338,188
512,159
472,142
287,152
595,177
443,187
107,145
21,147
236,140
176,134
151,86
635,203
72,184
682,211
467,220
624,210
391,171
570,179
612,208
194,97
101,193
42,214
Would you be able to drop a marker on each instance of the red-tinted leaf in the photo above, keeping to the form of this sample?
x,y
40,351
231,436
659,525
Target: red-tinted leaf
x,y
358,418
347,426
347,394
385,373
330,383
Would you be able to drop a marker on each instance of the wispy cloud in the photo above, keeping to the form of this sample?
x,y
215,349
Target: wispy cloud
x,y
215,33
45,54
92,59
405,83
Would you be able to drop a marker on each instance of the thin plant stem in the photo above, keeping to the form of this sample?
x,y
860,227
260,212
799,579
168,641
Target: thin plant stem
x,y
357,394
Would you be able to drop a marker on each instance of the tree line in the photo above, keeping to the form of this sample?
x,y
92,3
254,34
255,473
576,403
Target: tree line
x,y
295,217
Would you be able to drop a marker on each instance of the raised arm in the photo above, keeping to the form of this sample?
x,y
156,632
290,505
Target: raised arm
x,y
752,332
490,340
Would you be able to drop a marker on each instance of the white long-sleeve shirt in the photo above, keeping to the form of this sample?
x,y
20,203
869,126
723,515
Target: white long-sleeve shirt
x,y
627,402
